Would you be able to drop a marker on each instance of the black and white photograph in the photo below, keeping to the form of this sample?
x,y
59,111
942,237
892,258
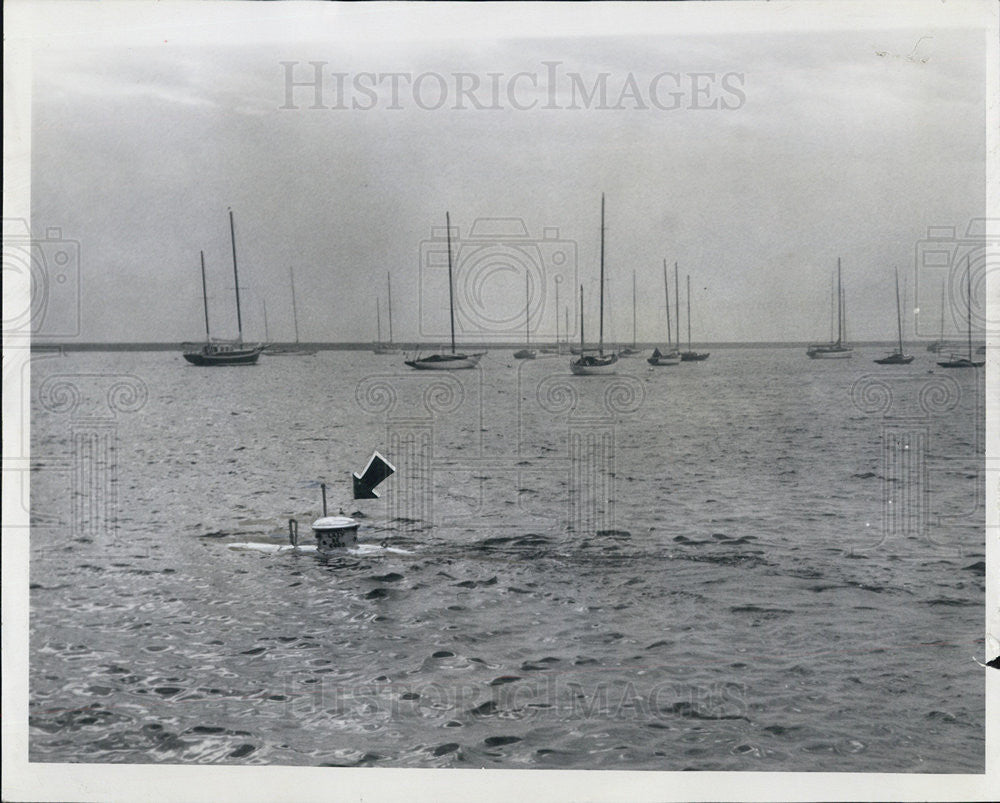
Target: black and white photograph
x,y
449,401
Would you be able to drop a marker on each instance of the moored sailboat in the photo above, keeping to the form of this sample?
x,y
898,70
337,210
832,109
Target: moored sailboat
x,y
897,357
600,363
690,355
527,353
380,347
631,351
671,356
286,350
450,361
957,361
223,352
834,350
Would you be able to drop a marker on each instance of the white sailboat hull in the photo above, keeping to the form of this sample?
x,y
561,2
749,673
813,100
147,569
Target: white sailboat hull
x,y
830,352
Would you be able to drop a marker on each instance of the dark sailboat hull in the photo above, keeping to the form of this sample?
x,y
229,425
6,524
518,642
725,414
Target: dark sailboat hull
x,y
962,362
207,356
589,365
895,359
445,362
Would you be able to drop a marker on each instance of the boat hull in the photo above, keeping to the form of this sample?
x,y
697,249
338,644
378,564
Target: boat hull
x,y
445,362
212,356
594,366
829,353
525,354
962,362
694,356
659,358
896,358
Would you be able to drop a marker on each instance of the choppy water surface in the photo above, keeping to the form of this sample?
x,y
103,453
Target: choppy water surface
x,y
790,578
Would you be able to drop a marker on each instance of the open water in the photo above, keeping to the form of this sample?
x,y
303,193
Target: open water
x,y
760,562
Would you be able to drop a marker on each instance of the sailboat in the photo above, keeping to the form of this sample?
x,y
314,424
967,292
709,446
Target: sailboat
x,y
527,353
689,355
286,350
555,348
452,361
671,356
834,350
601,363
380,347
627,351
939,345
223,352
897,357
965,362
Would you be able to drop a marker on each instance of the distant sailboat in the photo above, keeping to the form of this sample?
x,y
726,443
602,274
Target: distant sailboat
x,y
291,350
958,361
601,363
527,353
631,351
689,355
380,347
835,350
452,361
223,352
671,356
939,345
897,357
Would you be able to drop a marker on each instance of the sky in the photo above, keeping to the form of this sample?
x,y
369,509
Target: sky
x,y
753,155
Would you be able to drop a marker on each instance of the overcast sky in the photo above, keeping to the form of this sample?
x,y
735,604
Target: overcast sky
x,y
789,150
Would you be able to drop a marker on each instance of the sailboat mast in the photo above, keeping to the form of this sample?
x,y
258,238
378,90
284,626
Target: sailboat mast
x,y
267,331
677,304
557,314
689,310
527,302
204,295
666,303
968,302
633,309
941,339
600,342
451,298
840,307
388,277
899,314
378,320
236,276
581,320
566,312
295,312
